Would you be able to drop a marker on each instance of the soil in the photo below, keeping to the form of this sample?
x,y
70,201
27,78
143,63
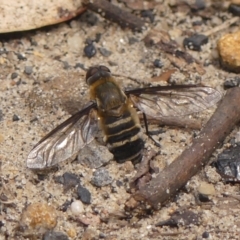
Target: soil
x,y
42,82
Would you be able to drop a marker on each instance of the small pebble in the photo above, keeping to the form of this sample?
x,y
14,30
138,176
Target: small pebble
x,y
198,5
89,18
70,180
148,14
83,194
228,164
14,75
79,65
77,207
105,52
234,9
229,51
195,42
65,205
101,178
94,156
132,40
232,82
205,235
65,65
39,216
206,189
21,56
98,37
157,63
1,224
28,70
15,118
1,115
90,50
51,235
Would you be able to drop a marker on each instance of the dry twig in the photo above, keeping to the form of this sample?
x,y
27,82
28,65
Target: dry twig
x,y
115,14
176,175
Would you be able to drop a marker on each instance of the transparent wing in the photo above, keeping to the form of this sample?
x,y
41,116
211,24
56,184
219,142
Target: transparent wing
x,y
170,101
65,140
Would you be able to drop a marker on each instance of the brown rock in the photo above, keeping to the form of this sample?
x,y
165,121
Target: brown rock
x,y
39,216
229,51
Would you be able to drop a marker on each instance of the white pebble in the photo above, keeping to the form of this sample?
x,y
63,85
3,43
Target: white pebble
x,y
77,207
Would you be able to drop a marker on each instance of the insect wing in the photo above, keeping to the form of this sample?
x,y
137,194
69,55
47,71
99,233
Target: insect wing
x,y
170,101
65,140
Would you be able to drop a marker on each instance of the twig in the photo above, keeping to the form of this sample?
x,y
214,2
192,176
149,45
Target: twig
x,y
115,14
182,122
223,26
176,175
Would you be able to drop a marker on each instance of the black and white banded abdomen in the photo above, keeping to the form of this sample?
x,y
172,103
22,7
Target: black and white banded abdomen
x,y
123,136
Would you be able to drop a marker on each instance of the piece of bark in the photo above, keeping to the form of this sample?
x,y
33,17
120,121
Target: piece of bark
x,y
177,121
115,14
176,175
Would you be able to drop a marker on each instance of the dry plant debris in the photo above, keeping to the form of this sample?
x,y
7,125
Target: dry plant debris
x,y
42,83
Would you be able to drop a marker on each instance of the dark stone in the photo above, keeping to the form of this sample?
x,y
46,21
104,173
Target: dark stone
x,y
102,235
83,194
89,17
197,23
148,14
157,63
234,9
80,65
198,5
15,118
65,206
203,197
228,164
28,70
14,75
119,183
21,57
205,235
51,235
105,52
132,40
69,180
101,178
195,42
1,115
90,50
98,37
65,65
1,224
232,82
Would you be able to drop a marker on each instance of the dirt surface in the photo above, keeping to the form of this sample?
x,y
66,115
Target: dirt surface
x,y
42,82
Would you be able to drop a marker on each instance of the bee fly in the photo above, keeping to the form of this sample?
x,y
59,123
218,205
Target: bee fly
x,y
112,110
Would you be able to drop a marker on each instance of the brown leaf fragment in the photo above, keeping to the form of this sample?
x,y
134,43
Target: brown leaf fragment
x,y
144,166
115,14
163,77
176,175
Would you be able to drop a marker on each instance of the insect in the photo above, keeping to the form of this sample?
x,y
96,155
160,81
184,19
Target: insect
x,y
114,112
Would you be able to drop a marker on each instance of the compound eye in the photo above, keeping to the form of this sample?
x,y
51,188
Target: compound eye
x,y
91,71
103,68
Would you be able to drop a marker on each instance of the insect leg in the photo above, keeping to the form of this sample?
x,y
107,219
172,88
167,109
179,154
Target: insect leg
x,y
147,132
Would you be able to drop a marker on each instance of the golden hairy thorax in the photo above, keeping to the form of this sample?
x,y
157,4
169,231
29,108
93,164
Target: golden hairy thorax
x,y
111,100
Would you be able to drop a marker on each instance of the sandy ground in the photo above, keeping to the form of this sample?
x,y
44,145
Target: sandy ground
x,y
42,84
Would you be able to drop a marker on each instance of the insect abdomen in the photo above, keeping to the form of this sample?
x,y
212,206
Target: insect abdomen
x,y
122,134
